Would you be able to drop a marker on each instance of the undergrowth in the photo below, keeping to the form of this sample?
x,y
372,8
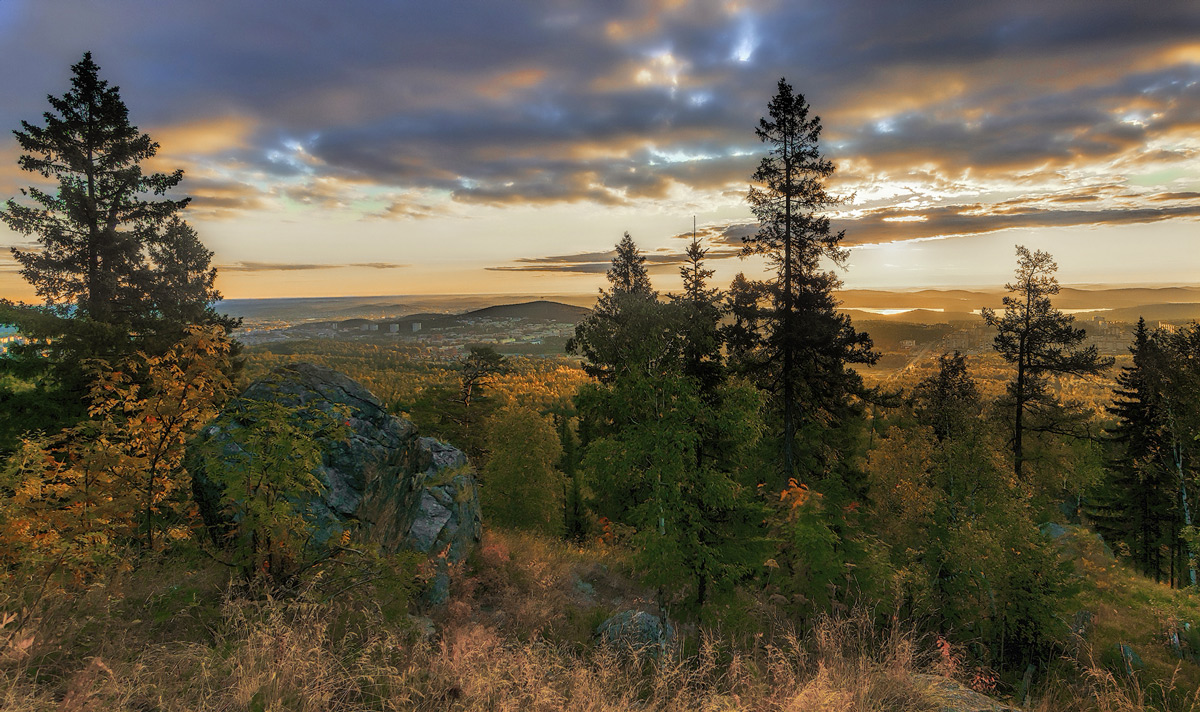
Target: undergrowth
x,y
516,635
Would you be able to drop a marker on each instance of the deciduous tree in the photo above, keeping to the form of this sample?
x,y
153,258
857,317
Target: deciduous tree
x,y
521,487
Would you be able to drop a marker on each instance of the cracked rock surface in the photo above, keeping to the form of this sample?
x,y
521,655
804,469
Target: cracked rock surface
x,y
392,486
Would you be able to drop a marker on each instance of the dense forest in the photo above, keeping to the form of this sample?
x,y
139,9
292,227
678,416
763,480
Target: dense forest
x,y
821,539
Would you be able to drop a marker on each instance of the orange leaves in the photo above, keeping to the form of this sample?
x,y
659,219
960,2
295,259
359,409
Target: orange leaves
x,y
82,494
795,495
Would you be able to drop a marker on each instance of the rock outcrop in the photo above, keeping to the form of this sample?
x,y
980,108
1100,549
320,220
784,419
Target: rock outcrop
x,y
397,489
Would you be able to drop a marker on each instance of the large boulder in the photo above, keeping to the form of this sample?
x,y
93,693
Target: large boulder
x,y
400,490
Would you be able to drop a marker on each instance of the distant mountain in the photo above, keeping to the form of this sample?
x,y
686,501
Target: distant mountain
x,y
964,300
534,311
382,307
1156,312
915,316
539,311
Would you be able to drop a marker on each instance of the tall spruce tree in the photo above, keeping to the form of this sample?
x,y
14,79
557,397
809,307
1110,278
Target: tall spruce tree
x,y
1039,340
808,343
1178,387
1138,503
115,262
949,399
112,248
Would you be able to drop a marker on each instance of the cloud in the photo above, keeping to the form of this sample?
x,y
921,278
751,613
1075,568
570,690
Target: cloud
x,y
246,266
660,260
628,103
378,265
892,225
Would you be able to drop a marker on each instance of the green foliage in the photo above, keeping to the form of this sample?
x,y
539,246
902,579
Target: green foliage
x,y
521,488
479,367
263,479
965,549
665,436
610,339
949,399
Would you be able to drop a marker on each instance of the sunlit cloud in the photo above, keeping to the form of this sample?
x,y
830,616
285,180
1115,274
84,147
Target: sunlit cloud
x,y
960,120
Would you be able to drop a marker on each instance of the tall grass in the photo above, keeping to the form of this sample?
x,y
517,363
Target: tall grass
x,y
507,641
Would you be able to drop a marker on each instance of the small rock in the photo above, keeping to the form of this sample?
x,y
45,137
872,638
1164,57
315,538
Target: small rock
x,y
636,630
1122,658
1053,530
423,625
585,588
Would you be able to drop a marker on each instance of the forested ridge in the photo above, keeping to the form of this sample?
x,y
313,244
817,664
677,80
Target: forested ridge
x,y
719,457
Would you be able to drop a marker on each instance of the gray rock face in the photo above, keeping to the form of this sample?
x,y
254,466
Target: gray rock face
x,y
637,630
397,489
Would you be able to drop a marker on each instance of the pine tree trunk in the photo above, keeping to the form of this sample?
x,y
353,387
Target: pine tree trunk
x,y
789,422
1018,424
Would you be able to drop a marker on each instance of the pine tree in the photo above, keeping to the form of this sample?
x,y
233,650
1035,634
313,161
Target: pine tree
x,y
624,329
114,254
948,399
808,342
1040,340
1178,417
702,313
113,249
742,336
659,455
628,272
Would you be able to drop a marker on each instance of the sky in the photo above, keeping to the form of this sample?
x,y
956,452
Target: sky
x,y
481,146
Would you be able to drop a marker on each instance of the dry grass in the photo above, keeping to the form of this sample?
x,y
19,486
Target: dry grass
x,y
515,636
280,655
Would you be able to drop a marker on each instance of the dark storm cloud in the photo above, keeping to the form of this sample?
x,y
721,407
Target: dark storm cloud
x,y
561,101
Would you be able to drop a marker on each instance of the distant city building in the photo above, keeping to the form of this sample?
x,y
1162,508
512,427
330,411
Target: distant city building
x,y
416,326
394,328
